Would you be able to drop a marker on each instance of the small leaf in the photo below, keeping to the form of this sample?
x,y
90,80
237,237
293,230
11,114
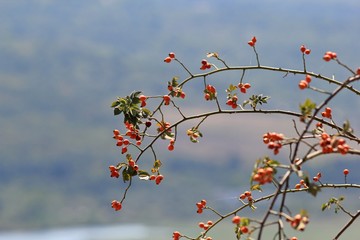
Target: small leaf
x,y
114,104
125,175
117,111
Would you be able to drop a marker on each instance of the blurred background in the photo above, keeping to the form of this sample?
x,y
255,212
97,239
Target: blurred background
x,y
62,63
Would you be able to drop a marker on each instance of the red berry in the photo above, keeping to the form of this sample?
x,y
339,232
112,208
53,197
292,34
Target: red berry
x,y
236,220
171,147
167,59
158,179
327,57
303,84
244,229
116,205
307,51
346,171
172,55
302,48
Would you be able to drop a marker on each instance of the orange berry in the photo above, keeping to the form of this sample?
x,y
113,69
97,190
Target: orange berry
x,y
172,55
203,202
298,186
251,43
294,238
244,229
236,220
308,78
116,132
242,196
158,179
171,147
303,84
210,223
124,150
201,224
302,48
247,193
116,205
167,59
327,57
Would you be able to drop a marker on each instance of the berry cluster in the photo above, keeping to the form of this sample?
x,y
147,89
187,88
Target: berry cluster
x,y
246,194
210,92
170,57
143,100
114,172
305,50
232,101
317,177
326,113
205,226
243,87
205,65
329,56
301,184
298,222
263,175
252,42
331,144
171,145
201,205
305,82
273,140
241,227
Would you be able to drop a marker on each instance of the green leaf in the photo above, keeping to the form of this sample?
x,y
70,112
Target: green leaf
x,y
313,189
117,111
125,175
307,108
114,104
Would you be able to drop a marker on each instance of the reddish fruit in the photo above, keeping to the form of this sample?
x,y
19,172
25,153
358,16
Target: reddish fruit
x,y
308,78
358,71
346,171
327,57
251,43
172,55
148,124
303,84
236,220
167,59
171,147
244,229
307,51
116,132
201,225
124,150
166,99
116,205
158,179
203,202
210,223
302,48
